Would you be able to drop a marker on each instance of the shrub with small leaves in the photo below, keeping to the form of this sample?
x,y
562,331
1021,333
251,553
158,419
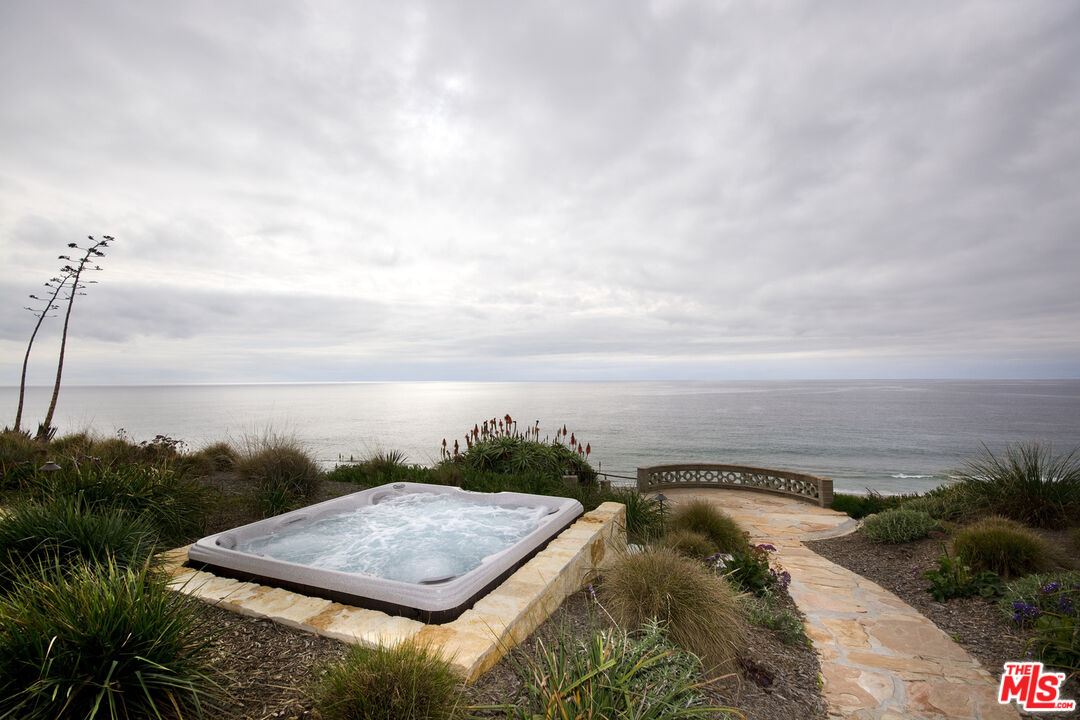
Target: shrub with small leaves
x,y
954,578
898,525
749,571
859,506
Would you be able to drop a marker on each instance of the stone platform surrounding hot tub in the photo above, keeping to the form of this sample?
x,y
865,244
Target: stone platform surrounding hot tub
x,y
474,641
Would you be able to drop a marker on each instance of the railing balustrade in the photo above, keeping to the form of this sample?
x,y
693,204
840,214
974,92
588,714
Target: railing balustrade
x,y
812,488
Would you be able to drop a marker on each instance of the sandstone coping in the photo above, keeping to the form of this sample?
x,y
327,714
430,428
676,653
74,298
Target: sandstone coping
x,y
474,641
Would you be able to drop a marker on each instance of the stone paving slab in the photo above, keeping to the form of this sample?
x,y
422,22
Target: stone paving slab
x,y
880,658
474,641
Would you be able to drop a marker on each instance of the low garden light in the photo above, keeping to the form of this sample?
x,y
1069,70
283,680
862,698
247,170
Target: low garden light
x,y
660,498
49,466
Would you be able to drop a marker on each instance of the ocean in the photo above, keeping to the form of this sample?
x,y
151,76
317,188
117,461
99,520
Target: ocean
x,y
889,435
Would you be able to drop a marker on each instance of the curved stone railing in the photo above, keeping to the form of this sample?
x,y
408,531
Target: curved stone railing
x,y
811,488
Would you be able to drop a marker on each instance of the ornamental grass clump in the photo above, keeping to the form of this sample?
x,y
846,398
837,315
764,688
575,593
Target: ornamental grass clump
x,y
102,642
690,543
1027,484
699,515
696,608
286,474
613,674
65,533
898,525
1003,546
406,681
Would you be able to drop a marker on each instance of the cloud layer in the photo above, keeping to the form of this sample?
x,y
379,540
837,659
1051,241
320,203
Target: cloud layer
x,y
448,190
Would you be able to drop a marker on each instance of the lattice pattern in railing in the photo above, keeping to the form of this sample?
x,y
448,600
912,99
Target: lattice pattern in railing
x,y
810,487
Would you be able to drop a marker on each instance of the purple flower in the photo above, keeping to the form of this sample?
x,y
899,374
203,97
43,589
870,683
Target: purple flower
x,y
766,546
1065,605
1025,613
1050,587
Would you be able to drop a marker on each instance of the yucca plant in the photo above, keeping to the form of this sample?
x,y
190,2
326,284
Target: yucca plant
x,y
101,642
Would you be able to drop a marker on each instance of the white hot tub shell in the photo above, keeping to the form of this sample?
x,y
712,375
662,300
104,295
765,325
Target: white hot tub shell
x,y
436,601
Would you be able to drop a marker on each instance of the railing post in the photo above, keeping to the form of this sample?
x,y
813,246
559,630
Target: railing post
x,y
826,492
642,480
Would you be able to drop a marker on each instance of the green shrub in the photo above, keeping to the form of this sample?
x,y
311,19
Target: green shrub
x,y
748,569
698,610
498,446
644,520
690,543
176,507
404,681
612,674
898,525
1003,546
20,454
1050,605
216,457
703,517
104,642
382,468
1027,484
286,474
954,578
74,445
120,450
67,532
764,611
859,506
1028,590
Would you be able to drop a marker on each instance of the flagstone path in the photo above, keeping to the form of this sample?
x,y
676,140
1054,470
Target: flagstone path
x,y
880,658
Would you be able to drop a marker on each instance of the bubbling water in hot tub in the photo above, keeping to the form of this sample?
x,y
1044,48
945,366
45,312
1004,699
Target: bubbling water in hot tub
x,y
414,537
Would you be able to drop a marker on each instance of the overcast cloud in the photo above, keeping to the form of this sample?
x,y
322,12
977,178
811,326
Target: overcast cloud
x,y
587,190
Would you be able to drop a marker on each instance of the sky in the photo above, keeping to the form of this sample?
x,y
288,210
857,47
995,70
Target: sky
x,y
602,190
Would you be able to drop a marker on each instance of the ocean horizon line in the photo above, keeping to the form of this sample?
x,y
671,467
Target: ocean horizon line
x,y
578,381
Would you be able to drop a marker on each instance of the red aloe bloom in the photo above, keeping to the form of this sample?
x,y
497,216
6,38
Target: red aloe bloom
x,y
588,448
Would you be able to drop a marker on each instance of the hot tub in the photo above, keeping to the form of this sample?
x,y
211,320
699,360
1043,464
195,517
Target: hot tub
x,y
422,551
